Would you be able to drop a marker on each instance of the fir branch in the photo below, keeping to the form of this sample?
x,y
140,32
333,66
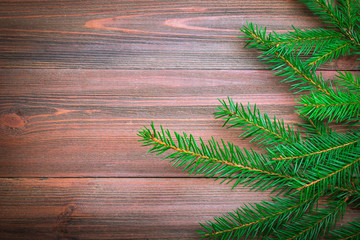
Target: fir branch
x,y
340,106
330,13
354,198
317,148
303,41
348,81
289,65
326,10
267,132
225,160
350,9
315,224
352,193
314,127
349,191
329,52
314,152
351,231
331,174
258,220
339,173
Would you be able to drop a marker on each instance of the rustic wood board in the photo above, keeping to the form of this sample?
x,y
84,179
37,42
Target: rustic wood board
x,y
78,79
108,208
84,122
115,208
140,34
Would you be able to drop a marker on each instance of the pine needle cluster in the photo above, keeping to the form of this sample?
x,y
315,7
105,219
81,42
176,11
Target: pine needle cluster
x,y
303,162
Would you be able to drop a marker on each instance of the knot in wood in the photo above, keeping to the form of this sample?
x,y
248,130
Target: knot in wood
x,y
12,120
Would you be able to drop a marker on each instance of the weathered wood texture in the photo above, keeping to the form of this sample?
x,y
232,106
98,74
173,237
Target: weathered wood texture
x,y
76,123
79,78
84,122
140,208
140,34
113,208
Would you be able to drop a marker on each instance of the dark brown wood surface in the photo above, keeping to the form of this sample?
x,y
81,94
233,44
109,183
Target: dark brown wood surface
x,y
78,79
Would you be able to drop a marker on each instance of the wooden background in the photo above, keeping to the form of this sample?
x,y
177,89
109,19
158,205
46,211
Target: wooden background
x,y
79,78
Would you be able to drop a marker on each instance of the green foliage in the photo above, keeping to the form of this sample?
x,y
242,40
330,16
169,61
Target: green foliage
x,y
329,52
307,227
348,81
351,231
263,130
255,220
221,159
314,127
288,64
303,165
303,42
337,106
315,150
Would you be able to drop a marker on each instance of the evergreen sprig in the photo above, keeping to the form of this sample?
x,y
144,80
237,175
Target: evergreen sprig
x,y
307,227
218,159
305,165
339,173
264,130
351,231
348,81
287,65
303,42
328,52
314,127
256,220
315,150
343,16
339,106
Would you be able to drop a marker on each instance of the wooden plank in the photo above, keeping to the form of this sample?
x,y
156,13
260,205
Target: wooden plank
x,y
111,208
141,34
169,61
69,123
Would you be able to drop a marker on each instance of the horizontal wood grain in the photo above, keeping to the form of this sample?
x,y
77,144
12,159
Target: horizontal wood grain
x,y
141,34
84,122
114,208
78,79
111,208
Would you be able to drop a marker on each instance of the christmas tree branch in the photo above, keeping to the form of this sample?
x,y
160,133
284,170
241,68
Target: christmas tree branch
x,y
249,168
259,219
348,81
328,52
285,64
330,13
261,128
338,172
336,143
314,224
346,232
314,127
304,166
341,106
303,41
